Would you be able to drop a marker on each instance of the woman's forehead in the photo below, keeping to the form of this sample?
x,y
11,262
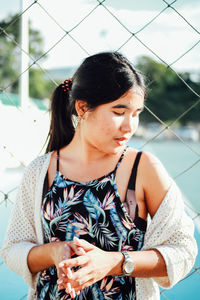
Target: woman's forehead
x,y
130,98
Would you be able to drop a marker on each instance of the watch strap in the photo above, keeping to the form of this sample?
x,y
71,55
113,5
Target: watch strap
x,y
127,260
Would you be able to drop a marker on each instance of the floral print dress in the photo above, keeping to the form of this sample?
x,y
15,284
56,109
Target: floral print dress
x,y
92,211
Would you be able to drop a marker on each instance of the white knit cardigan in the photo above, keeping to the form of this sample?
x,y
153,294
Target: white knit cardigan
x,y
170,232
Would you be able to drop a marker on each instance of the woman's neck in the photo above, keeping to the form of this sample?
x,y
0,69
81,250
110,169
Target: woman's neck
x,y
86,152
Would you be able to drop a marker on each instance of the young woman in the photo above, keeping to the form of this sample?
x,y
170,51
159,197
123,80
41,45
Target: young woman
x,y
79,226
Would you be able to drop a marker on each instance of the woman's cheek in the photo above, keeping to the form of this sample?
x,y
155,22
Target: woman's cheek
x,y
135,124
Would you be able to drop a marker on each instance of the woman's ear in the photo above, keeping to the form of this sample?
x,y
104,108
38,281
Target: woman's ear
x,y
81,107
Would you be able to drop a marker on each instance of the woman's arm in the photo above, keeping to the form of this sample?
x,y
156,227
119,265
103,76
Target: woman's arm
x,y
147,264
155,181
97,264
42,257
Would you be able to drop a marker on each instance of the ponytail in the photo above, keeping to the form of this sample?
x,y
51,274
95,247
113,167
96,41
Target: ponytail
x,y
61,126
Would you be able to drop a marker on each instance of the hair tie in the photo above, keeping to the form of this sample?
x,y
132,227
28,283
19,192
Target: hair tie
x,y
67,84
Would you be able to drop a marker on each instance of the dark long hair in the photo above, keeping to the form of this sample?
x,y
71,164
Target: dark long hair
x,y
101,78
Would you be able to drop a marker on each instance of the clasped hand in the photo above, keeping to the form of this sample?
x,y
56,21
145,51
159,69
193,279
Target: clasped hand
x,y
93,265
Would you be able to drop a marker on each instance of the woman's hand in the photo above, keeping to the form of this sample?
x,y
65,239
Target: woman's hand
x,y
63,251
94,265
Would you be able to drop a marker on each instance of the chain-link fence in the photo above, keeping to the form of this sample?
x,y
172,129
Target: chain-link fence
x,y
130,38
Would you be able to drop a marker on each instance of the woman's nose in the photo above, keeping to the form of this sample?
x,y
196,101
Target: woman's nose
x,y
130,125
127,126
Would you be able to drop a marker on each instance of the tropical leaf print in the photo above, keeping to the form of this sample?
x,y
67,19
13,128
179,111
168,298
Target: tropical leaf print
x,y
108,202
70,232
51,191
61,208
46,230
91,183
103,283
127,248
43,292
109,294
83,227
84,294
65,297
120,230
102,183
141,240
59,181
70,196
109,285
49,210
128,224
112,179
54,292
44,277
130,295
120,279
106,238
61,217
134,234
120,297
108,289
96,292
92,205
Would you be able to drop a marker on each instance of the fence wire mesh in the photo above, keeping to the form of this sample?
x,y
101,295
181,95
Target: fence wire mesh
x,y
131,38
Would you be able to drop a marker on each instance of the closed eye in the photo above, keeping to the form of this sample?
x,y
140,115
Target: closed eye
x,y
122,112
119,113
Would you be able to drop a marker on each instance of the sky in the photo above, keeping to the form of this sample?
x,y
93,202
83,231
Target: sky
x,y
169,36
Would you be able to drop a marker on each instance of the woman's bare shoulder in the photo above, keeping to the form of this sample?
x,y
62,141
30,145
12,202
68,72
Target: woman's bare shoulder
x,y
155,179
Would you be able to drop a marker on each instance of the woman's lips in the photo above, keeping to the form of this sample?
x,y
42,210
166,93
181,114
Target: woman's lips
x,y
121,141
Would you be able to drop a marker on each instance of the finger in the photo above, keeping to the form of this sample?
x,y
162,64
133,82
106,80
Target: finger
x,y
81,276
84,286
78,280
60,273
76,249
83,243
63,281
73,294
79,284
69,273
61,287
73,262
68,288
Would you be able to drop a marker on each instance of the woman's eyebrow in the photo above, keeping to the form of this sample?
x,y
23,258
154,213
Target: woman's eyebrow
x,y
121,106
126,106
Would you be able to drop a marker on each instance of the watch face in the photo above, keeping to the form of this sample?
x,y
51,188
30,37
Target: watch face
x,y
129,266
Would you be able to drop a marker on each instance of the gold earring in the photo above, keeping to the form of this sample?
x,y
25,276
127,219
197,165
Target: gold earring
x,y
79,118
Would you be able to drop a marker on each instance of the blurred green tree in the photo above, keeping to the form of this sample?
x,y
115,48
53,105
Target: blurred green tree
x,y
10,58
167,95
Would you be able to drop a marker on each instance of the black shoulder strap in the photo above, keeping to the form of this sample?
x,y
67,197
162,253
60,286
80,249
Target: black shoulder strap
x,y
132,180
45,186
58,154
46,181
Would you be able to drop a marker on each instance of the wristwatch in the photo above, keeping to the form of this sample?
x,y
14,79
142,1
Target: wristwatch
x,y
128,264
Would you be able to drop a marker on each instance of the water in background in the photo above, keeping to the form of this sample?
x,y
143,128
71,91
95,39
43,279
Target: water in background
x,y
176,158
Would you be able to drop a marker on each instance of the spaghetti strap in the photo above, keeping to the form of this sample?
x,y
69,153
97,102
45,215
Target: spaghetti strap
x,y
120,159
132,180
58,156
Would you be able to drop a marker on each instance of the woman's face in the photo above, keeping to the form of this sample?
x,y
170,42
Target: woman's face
x,y
109,126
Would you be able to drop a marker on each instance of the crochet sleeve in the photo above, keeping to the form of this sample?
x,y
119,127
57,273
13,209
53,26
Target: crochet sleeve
x,y
171,232
21,235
